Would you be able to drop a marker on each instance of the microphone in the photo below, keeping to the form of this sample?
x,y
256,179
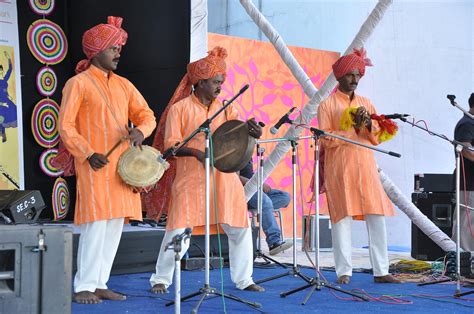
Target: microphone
x,y
183,235
284,119
243,89
451,99
396,115
176,241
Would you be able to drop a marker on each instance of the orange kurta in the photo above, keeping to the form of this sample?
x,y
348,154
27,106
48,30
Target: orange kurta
x,y
87,125
351,178
187,205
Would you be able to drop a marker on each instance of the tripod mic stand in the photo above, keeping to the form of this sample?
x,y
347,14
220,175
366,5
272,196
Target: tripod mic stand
x,y
316,283
207,290
294,271
458,147
259,253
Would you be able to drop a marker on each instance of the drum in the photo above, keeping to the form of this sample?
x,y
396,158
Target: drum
x,y
140,168
233,146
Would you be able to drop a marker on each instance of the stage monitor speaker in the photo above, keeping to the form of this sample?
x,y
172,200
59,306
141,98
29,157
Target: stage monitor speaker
x,y
20,207
434,182
35,269
439,208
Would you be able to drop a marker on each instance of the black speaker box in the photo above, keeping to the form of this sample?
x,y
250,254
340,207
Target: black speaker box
x,y
21,207
439,208
35,269
434,182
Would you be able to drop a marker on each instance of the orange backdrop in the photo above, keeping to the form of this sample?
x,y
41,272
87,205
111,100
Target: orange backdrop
x,y
274,91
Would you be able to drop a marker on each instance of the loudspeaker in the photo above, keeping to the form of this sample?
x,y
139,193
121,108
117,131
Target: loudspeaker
x,y
35,269
21,207
439,208
434,182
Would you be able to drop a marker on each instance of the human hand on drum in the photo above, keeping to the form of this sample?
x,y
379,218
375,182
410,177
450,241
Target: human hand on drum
x,y
255,130
135,136
97,161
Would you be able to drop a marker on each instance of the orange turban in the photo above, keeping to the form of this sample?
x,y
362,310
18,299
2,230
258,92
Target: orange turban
x,y
351,62
156,202
101,37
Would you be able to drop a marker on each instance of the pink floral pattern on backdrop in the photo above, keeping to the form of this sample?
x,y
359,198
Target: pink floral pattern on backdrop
x,y
274,91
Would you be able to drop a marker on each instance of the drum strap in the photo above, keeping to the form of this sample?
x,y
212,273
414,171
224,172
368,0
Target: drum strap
x,y
106,99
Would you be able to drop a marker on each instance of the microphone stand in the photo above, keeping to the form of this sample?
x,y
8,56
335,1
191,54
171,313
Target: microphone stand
x,y
259,253
175,244
316,283
458,147
455,104
206,290
294,271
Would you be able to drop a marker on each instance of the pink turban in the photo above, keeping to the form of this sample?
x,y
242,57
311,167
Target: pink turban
x,y
351,62
101,37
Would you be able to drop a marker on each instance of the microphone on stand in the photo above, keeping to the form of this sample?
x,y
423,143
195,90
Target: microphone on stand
x,y
243,89
396,115
186,233
451,99
284,119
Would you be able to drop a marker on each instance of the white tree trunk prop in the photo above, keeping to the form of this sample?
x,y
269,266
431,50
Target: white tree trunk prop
x,y
310,109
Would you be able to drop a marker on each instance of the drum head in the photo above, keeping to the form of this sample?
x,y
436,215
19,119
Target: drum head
x,y
233,147
140,168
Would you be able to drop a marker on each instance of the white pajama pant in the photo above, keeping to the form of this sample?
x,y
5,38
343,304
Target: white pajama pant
x,y
98,244
342,245
240,257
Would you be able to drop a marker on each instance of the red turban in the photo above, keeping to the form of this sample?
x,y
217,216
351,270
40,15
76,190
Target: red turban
x,y
156,202
101,37
351,62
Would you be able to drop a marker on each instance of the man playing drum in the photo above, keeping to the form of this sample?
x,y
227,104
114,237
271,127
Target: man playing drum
x,y
185,113
94,113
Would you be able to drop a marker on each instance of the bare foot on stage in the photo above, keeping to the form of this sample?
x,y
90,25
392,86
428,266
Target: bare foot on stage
x,y
86,297
159,288
107,294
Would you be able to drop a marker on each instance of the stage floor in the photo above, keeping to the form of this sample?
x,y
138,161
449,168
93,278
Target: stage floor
x,y
406,297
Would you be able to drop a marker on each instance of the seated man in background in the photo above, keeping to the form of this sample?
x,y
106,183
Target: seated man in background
x,y
272,199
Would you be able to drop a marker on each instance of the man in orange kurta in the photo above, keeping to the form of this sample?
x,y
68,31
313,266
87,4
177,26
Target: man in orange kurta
x,y
351,179
96,107
187,203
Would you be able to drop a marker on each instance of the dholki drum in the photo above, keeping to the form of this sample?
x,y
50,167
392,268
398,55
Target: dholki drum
x,y
140,168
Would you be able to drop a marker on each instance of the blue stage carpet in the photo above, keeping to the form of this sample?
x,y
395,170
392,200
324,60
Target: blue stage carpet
x,y
426,299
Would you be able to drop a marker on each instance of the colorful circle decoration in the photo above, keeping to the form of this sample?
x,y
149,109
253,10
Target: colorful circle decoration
x,y
45,163
42,7
46,81
60,199
44,123
47,41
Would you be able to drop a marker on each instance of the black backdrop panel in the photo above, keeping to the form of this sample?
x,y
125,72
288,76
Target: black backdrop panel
x,y
154,60
157,50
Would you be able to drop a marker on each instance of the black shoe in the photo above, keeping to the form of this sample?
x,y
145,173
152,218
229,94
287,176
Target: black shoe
x,y
279,247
